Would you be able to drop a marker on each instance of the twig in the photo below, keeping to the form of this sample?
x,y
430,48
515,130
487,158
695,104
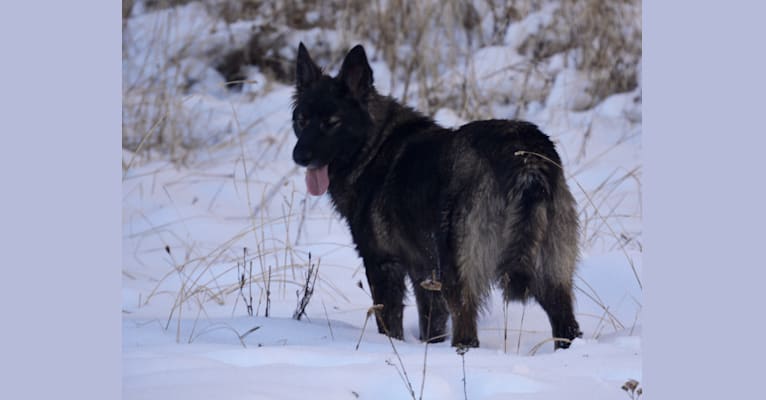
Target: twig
x,y
505,328
224,326
428,341
249,304
521,327
249,331
141,144
308,289
327,317
364,326
250,290
268,292
305,203
461,350
403,374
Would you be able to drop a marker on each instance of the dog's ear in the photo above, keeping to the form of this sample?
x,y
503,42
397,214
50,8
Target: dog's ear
x,y
306,72
356,72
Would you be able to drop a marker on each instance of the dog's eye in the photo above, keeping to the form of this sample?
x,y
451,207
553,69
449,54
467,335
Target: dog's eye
x,y
330,123
302,121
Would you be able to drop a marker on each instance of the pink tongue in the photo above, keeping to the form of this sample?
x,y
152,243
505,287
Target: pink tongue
x,y
317,180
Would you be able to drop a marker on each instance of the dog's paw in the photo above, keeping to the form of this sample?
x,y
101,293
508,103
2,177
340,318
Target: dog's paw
x,y
465,342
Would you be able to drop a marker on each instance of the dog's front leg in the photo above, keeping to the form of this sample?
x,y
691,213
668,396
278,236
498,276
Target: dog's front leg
x,y
386,280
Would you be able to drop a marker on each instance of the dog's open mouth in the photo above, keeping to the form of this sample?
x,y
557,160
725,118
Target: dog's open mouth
x,y
317,180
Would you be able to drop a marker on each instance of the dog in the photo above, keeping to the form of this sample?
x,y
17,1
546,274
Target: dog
x,y
455,211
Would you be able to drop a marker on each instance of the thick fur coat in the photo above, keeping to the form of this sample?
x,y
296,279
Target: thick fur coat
x,y
456,211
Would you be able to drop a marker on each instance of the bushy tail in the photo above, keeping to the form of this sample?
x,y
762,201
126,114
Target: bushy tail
x,y
534,179
529,196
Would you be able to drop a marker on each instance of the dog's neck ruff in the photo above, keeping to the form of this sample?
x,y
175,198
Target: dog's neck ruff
x,y
390,120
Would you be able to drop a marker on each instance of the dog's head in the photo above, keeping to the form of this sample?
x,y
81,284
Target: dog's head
x,y
330,117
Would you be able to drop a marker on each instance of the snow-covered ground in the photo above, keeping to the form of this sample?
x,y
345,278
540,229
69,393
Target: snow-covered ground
x,y
188,280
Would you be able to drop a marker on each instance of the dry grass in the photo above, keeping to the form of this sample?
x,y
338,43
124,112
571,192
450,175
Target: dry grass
x,y
428,47
603,35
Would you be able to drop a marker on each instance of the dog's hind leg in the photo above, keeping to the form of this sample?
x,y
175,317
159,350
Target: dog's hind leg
x,y
531,267
386,282
464,311
556,300
522,273
559,256
432,310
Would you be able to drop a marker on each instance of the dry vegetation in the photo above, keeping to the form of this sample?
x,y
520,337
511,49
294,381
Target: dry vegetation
x,y
419,42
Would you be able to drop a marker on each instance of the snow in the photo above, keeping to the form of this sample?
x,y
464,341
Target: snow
x,y
186,331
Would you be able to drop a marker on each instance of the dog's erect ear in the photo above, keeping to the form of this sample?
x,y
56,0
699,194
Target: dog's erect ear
x,y
356,72
306,72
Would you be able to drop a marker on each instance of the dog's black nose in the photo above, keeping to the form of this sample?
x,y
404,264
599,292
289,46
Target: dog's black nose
x,y
302,156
